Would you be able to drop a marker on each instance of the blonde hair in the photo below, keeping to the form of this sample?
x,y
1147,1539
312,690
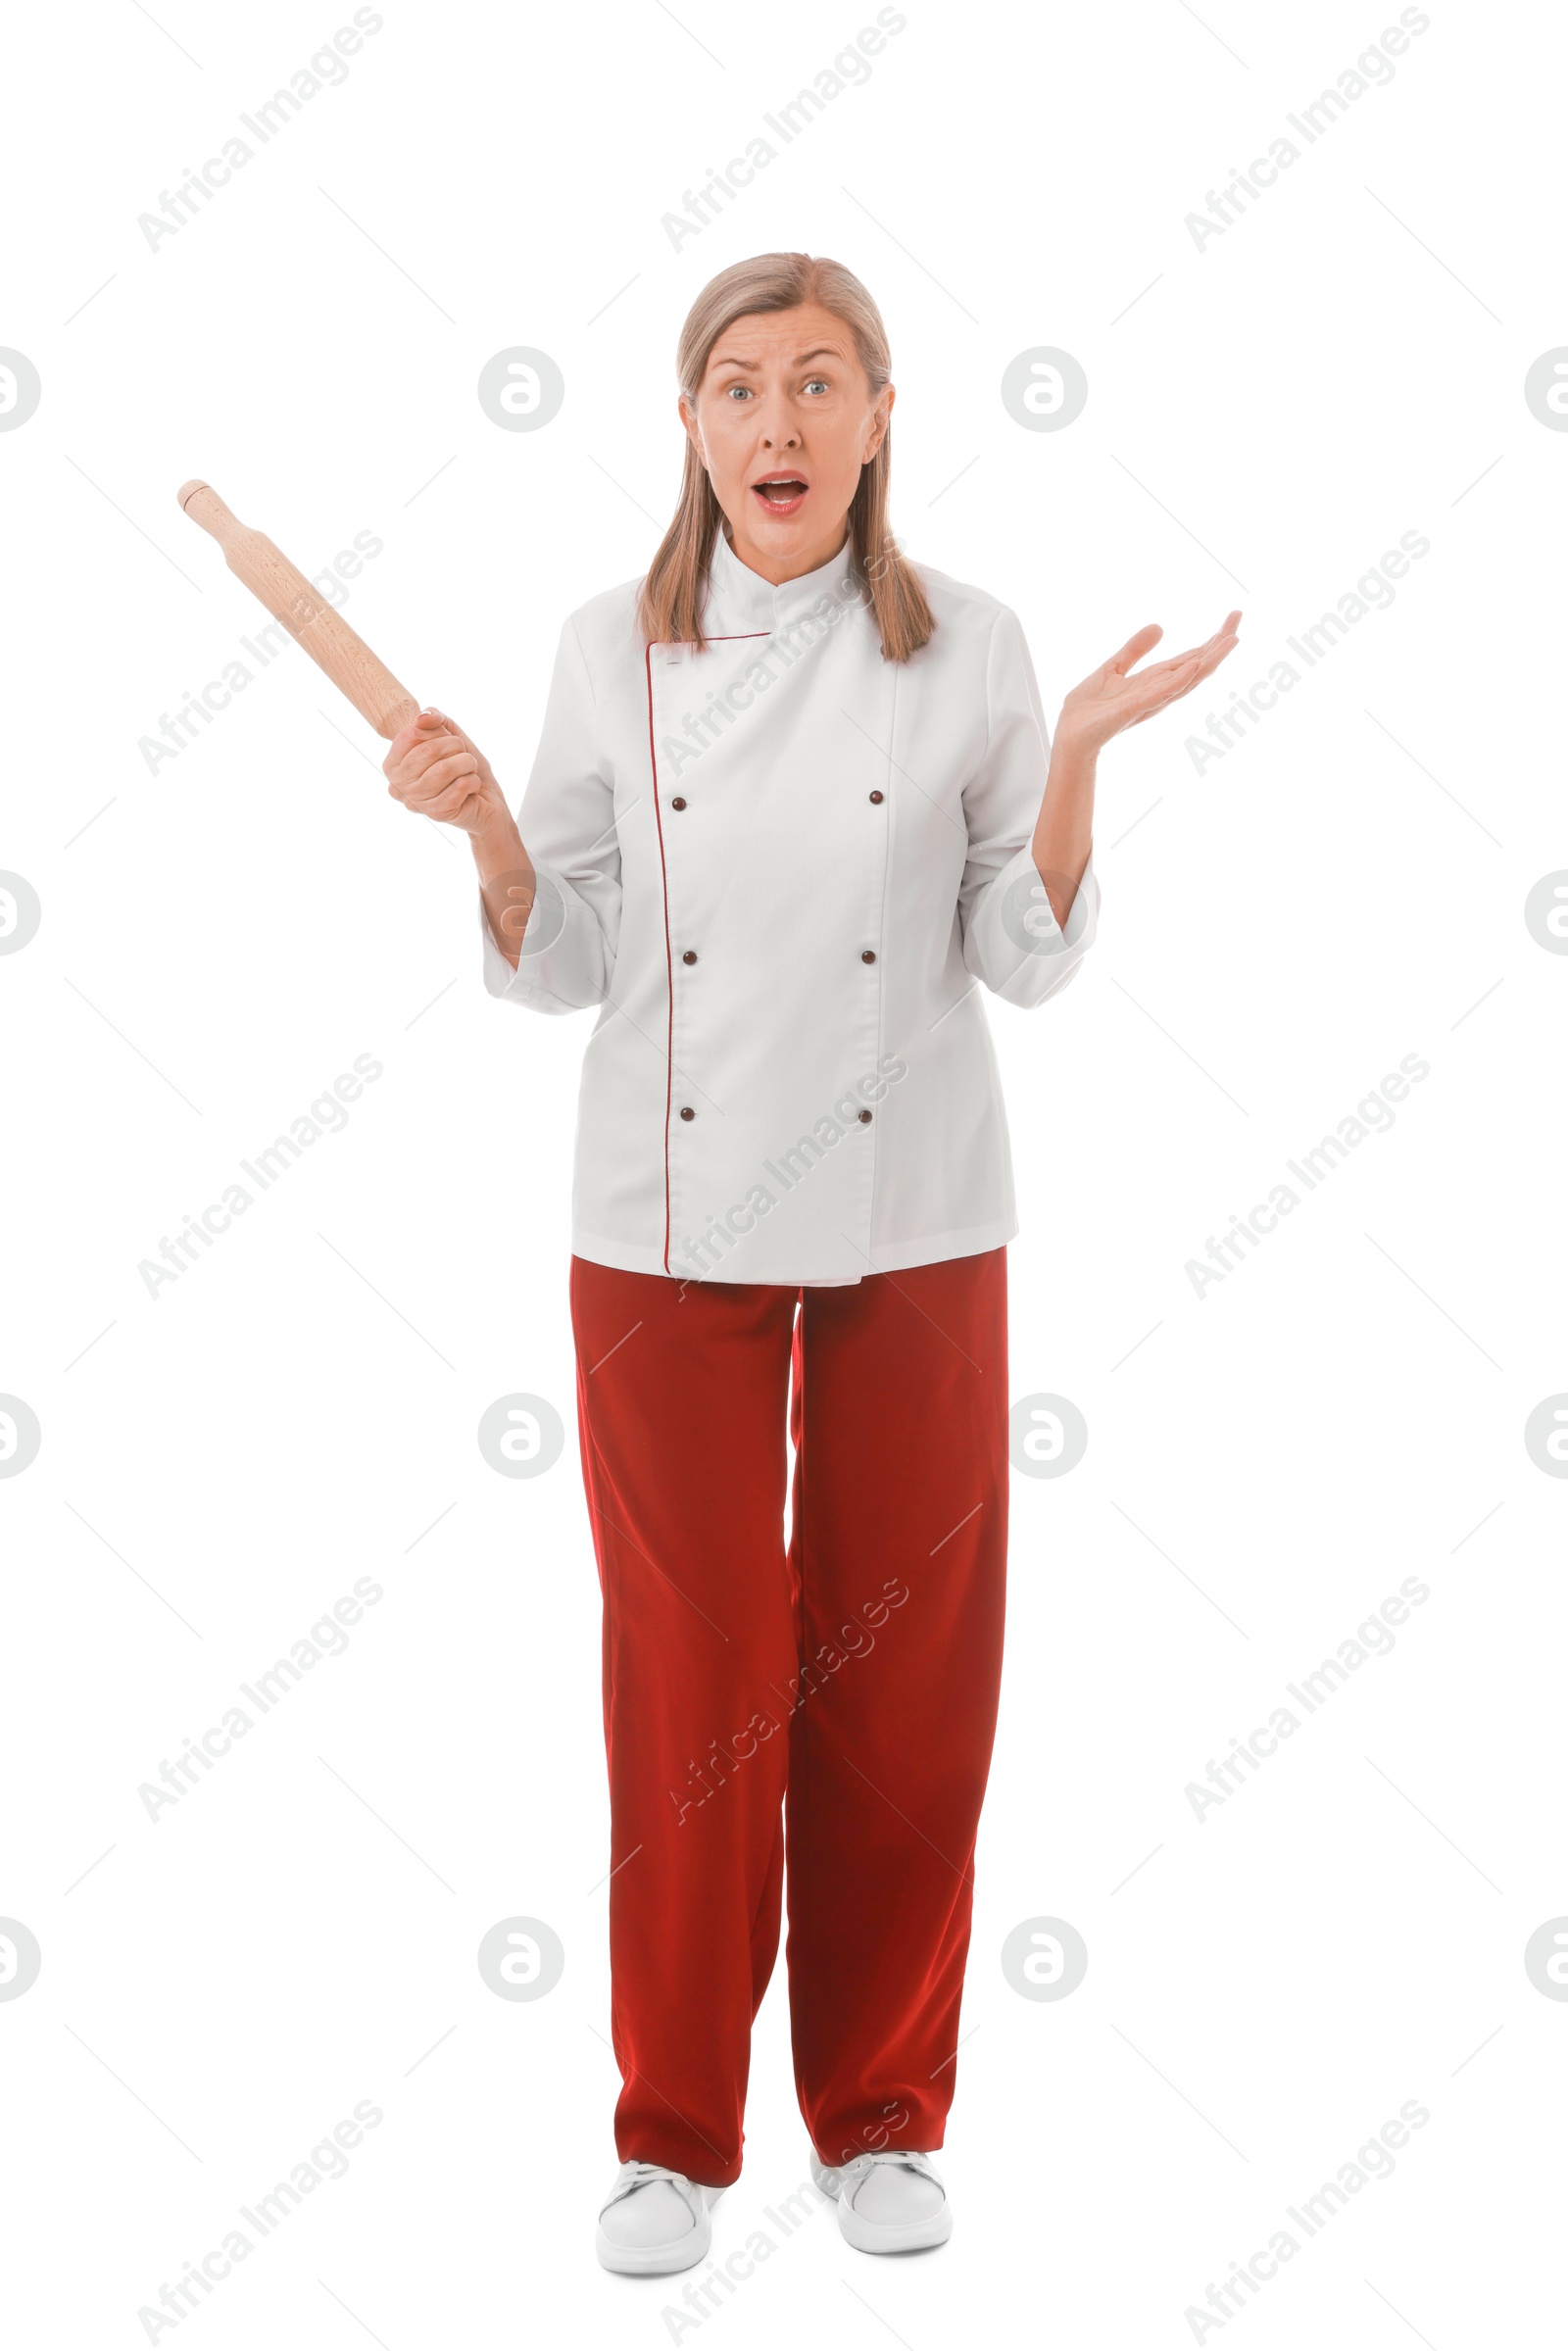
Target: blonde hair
x,y
669,605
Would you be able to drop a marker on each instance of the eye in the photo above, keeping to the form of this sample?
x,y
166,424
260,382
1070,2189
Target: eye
x,y
817,379
745,391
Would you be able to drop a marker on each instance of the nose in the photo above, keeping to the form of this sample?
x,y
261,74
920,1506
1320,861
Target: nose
x,y
778,428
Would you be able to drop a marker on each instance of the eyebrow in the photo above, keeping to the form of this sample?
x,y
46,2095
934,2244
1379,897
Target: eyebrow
x,y
822,352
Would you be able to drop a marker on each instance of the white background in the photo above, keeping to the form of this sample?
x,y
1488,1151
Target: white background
x,y
1268,1985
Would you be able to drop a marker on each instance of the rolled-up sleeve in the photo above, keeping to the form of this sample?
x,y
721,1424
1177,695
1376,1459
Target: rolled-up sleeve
x,y
1013,942
567,821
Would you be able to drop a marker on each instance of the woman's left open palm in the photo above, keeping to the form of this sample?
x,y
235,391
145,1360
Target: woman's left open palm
x,y
1116,696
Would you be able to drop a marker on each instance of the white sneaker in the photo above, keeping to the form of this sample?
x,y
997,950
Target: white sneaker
x,y
888,2203
655,2221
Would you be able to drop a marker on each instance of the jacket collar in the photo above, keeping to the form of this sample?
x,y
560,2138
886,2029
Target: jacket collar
x,y
739,598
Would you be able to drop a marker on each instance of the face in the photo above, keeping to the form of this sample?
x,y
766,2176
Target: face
x,y
784,420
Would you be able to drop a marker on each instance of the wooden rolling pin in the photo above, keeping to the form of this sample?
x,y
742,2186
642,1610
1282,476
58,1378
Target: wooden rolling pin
x,y
314,625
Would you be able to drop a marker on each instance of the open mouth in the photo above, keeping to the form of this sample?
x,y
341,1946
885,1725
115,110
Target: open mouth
x,y
780,493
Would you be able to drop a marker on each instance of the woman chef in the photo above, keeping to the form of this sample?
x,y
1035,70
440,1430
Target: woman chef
x,y
794,806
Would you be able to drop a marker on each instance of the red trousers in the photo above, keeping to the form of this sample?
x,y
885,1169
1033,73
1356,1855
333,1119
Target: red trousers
x,y
835,1700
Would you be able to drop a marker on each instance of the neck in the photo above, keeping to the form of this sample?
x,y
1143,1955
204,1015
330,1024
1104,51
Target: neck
x,y
776,568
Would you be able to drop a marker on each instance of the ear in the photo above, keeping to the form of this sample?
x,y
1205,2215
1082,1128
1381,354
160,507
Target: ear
x,y
688,418
880,419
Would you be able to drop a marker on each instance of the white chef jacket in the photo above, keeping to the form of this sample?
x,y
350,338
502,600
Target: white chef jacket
x,y
782,868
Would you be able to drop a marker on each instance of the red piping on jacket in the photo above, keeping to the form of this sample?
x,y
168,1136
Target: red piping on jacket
x,y
663,876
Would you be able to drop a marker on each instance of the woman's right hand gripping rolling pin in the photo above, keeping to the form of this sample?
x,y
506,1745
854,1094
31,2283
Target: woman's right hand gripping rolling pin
x,y
435,771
